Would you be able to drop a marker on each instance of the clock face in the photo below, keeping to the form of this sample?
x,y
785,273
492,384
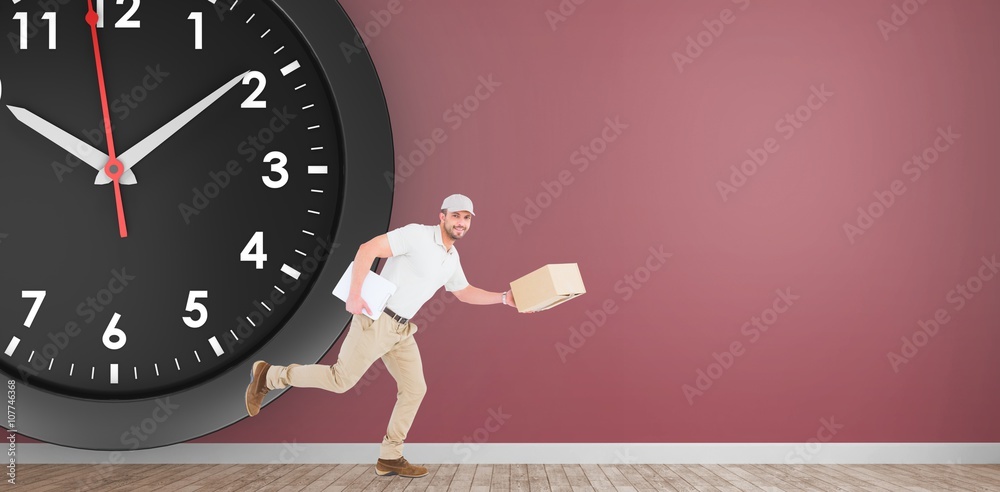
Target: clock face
x,y
227,219
235,160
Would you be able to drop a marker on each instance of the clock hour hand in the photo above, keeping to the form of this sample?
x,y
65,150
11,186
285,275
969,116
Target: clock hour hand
x,y
132,156
78,148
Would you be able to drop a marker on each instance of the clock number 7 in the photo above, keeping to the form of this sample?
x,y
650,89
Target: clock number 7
x,y
114,332
39,295
254,250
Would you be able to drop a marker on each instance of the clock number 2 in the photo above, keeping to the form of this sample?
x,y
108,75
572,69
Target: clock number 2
x,y
114,332
126,21
252,102
193,306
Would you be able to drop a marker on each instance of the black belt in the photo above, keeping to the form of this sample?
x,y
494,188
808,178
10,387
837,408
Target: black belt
x,y
395,316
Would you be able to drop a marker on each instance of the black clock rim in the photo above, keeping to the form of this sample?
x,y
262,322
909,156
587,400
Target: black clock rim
x,y
368,169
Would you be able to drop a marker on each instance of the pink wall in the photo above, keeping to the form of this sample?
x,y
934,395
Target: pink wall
x,y
656,186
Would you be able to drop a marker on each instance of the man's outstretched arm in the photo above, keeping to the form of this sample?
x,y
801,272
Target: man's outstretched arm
x,y
475,295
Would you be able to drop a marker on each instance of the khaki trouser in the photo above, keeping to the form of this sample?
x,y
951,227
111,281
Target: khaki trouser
x,y
366,341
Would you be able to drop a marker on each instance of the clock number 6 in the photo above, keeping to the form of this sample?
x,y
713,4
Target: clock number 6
x,y
114,332
194,306
277,160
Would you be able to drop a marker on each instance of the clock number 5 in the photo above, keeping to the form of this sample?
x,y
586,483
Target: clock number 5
x,y
39,295
254,250
114,332
48,16
277,160
194,306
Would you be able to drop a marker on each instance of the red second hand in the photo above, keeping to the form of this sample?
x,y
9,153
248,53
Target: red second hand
x,y
113,168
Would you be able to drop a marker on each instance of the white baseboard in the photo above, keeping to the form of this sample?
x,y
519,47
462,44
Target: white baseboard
x,y
544,453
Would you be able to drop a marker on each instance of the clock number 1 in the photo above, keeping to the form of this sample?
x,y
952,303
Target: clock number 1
x,y
114,332
39,295
254,250
196,17
194,306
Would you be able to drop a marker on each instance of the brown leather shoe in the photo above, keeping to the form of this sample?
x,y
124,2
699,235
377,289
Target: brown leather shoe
x,y
399,467
257,387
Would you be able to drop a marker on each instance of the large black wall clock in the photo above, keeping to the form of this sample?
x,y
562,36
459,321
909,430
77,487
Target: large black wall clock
x,y
142,272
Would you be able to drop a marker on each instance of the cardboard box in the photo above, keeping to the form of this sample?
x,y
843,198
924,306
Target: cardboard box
x,y
547,287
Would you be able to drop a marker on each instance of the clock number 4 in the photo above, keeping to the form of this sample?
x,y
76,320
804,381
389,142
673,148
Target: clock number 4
x,y
126,21
193,306
48,16
113,332
254,250
38,295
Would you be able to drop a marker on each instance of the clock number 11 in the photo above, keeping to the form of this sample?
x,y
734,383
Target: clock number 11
x,y
23,18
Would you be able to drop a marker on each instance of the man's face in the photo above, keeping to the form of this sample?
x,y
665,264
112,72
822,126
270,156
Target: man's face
x,y
456,224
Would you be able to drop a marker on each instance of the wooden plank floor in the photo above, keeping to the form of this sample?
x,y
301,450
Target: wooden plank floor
x,y
482,478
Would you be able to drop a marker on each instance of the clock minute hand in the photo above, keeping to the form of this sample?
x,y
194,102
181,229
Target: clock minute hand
x,y
132,156
76,147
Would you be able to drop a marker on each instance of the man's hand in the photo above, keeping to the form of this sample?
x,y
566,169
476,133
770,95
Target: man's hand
x,y
355,305
510,299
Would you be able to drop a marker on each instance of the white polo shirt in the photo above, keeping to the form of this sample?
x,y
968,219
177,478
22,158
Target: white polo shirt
x,y
419,266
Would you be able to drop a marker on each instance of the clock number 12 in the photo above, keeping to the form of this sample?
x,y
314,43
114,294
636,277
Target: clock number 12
x,y
126,21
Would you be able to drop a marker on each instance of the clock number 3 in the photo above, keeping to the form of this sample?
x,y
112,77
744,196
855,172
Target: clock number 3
x,y
113,332
277,160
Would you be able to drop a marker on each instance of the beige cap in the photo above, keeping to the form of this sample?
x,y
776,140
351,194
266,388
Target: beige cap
x,y
457,202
